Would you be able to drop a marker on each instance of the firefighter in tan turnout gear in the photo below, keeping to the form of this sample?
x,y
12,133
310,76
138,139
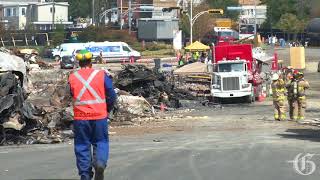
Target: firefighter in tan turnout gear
x,y
291,99
278,93
296,90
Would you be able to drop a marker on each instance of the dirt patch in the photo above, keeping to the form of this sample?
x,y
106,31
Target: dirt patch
x,y
148,128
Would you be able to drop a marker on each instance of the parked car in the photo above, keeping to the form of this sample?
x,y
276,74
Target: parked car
x,y
112,51
67,62
66,49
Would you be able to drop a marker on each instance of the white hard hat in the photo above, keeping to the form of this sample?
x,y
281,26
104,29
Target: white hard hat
x,y
275,77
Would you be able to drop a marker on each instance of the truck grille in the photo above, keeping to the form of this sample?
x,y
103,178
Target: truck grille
x,y
231,83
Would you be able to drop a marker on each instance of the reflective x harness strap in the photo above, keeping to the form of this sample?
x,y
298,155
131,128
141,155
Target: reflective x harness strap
x,y
86,86
280,90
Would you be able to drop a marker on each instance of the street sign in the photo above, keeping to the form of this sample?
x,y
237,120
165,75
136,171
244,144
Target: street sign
x,y
234,8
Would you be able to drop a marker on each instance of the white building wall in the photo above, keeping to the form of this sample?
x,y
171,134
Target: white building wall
x,y
45,13
14,16
249,12
22,17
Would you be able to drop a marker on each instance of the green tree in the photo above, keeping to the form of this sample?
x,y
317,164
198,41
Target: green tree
x,y
277,8
58,35
314,8
2,30
289,23
184,24
205,23
83,8
90,34
80,8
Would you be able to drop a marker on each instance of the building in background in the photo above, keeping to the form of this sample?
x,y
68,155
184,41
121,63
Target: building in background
x,y
252,16
41,15
252,9
13,13
19,14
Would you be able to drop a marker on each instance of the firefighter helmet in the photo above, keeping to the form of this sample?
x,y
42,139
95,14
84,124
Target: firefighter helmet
x,y
300,74
275,77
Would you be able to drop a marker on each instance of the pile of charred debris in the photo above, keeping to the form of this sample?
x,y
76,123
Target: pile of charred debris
x,y
36,109
21,120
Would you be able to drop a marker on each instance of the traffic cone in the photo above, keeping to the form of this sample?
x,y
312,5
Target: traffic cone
x,y
162,107
261,97
274,65
264,94
131,60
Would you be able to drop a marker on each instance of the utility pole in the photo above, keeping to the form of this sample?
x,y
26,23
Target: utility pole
x,y
53,13
121,16
93,13
190,20
129,16
255,17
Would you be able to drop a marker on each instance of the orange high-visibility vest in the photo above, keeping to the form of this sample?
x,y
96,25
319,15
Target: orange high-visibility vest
x,y
88,91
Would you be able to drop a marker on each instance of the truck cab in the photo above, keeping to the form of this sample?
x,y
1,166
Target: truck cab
x,y
231,80
233,73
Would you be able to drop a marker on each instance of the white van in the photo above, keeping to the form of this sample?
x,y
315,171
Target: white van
x,y
112,50
67,49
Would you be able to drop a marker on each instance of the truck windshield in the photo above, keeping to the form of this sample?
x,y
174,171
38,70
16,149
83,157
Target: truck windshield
x,y
225,33
231,67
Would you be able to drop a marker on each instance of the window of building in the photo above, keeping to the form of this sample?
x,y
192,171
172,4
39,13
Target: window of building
x,y
51,9
23,11
8,12
14,12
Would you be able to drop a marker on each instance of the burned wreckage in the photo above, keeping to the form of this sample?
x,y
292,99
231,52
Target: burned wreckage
x,y
35,108
14,111
155,87
143,91
20,120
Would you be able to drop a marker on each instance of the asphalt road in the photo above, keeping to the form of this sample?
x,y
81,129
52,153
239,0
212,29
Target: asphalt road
x,y
242,146
237,142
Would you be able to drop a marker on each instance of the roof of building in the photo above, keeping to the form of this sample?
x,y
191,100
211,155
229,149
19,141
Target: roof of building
x,y
27,2
50,3
18,2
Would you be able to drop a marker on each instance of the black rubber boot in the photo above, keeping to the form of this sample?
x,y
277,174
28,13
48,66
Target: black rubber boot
x,y
84,177
98,175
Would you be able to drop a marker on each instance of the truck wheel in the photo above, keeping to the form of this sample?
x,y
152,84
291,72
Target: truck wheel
x,y
217,100
253,95
248,99
253,98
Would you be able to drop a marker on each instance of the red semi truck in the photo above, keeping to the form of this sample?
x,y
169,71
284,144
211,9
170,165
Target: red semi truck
x,y
236,72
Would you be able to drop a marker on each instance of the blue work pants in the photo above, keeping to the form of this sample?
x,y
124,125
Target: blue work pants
x,y
91,145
